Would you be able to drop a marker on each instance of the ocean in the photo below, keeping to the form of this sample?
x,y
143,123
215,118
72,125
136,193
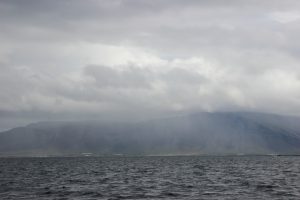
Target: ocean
x,y
151,177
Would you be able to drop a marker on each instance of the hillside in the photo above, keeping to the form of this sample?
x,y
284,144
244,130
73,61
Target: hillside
x,y
201,133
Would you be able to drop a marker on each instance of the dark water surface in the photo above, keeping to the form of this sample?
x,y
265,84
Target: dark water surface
x,y
261,177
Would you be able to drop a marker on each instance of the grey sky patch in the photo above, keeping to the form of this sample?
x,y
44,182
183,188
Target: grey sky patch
x,y
89,59
129,78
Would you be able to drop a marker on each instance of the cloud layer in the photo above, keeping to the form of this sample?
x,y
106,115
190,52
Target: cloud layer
x,y
134,59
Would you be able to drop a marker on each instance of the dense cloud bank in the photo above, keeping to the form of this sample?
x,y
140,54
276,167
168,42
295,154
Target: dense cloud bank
x,y
136,59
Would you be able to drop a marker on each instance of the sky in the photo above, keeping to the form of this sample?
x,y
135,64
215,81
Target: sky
x,y
139,59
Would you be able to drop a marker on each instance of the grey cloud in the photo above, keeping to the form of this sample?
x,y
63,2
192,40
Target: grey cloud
x,y
130,78
91,58
181,76
137,78
148,23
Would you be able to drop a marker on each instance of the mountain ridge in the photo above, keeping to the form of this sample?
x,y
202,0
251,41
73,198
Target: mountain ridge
x,y
203,133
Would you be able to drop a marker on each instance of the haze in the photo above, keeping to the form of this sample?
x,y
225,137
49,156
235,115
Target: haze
x,y
140,59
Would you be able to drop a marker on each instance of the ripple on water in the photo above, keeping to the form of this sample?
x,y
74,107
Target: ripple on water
x,y
150,178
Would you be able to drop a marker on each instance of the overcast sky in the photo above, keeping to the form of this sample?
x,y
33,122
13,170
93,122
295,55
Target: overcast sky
x,y
136,59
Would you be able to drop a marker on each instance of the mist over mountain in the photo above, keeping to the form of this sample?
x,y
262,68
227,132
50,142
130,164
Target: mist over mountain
x,y
135,60
201,133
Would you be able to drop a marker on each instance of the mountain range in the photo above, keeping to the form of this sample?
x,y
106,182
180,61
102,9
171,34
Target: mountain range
x,y
219,133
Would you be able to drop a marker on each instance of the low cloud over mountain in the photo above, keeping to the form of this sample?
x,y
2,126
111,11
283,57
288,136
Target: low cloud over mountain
x,y
201,133
133,59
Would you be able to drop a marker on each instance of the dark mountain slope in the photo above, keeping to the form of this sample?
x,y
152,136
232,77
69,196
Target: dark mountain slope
x,y
201,133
